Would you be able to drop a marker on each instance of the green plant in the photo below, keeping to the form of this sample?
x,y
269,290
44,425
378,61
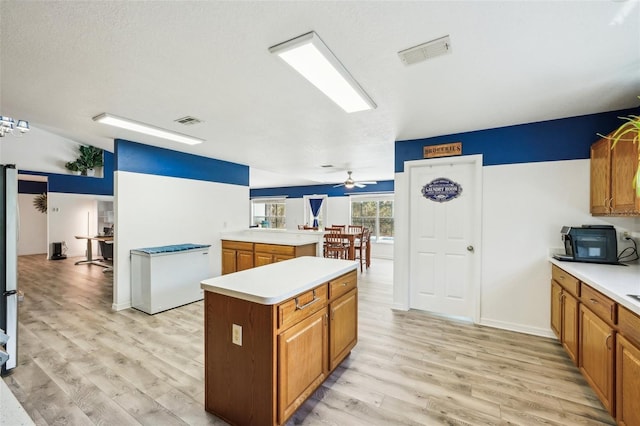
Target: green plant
x,y
628,131
90,157
73,166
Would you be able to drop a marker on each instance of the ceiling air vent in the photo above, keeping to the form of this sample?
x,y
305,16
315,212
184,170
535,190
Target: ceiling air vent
x,y
188,120
424,51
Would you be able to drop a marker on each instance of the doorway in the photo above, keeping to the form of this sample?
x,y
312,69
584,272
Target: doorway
x,y
445,235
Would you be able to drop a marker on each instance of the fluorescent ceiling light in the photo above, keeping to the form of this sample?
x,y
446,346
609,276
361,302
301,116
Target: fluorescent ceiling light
x,y
147,129
312,58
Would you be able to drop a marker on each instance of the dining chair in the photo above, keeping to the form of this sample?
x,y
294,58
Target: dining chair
x,y
355,228
361,247
333,230
335,247
343,227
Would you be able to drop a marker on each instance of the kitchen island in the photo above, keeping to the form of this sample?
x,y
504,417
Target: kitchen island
x,y
273,334
252,248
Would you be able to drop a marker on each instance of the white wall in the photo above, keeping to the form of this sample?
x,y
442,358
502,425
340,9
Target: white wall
x,y
158,210
294,210
70,215
33,227
524,207
39,150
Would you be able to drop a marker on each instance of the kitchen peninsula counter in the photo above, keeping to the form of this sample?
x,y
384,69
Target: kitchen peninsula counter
x,y
273,334
268,236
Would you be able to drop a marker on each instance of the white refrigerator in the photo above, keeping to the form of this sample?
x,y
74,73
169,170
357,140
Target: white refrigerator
x,y
9,266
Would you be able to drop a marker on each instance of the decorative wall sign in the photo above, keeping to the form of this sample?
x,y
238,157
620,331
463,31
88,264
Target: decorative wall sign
x,y
441,190
445,150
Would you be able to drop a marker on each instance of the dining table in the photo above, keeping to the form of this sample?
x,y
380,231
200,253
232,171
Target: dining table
x,y
351,236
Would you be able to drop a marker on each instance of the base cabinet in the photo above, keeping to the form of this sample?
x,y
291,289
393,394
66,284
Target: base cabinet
x,y
596,360
628,382
564,311
236,256
241,255
285,353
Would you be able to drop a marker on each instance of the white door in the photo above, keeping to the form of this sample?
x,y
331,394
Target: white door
x,y
444,273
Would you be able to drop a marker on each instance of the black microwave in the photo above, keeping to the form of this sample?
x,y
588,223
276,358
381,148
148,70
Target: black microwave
x,y
590,243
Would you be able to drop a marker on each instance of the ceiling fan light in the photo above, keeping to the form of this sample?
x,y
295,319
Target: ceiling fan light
x,y
349,185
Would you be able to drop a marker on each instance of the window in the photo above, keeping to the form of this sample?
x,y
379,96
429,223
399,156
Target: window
x,y
308,214
375,213
268,213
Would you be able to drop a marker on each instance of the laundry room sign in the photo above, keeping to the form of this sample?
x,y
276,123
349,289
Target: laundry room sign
x,y
441,190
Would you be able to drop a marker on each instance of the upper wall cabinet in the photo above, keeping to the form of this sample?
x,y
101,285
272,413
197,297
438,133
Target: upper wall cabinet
x,y
612,175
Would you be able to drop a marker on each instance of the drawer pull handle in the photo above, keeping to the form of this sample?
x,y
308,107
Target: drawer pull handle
x,y
344,284
593,300
299,307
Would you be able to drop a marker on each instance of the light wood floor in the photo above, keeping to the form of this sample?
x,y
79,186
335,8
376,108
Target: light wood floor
x,y
80,363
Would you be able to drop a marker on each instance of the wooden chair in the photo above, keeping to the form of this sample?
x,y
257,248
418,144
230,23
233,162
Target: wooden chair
x,y
333,229
361,247
355,229
335,247
342,227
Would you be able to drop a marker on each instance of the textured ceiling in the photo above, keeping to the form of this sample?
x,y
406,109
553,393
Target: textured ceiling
x,y
512,62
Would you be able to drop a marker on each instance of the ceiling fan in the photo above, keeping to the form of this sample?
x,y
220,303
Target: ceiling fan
x,y
350,183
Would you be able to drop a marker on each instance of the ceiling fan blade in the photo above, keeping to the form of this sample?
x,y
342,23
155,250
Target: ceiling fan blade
x,y
359,184
340,184
371,182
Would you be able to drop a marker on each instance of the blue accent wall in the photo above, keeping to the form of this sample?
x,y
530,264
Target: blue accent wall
x,y
73,184
31,187
140,158
300,191
553,140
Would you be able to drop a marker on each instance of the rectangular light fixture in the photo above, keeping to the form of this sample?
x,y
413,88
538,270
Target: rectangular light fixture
x,y
147,129
308,55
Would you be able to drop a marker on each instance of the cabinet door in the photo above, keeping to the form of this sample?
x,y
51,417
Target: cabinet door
x,y
601,177
624,160
228,261
244,260
343,328
627,383
570,326
556,309
595,355
302,362
260,259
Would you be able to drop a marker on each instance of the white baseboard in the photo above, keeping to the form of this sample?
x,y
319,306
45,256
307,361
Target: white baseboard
x,y
520,328
120,306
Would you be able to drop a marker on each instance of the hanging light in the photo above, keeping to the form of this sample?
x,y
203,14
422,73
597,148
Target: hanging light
x,y
8,125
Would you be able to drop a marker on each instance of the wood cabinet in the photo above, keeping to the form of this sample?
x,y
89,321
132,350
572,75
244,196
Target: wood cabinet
x,y
286,351
236,256
612,174
564,310
241,255
628,368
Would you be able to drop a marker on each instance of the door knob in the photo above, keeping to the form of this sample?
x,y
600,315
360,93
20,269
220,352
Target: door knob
x,y
470,248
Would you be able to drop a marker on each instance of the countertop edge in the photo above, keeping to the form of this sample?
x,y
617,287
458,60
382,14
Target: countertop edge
x,y
305,286
621,299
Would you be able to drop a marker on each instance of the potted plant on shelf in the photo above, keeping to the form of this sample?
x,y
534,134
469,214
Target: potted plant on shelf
x,y
74,167
90,158
628,131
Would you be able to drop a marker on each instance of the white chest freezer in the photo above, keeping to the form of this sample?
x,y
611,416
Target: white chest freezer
x,y
166,277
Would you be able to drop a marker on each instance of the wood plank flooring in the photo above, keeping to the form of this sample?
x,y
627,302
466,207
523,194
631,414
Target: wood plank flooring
x,y
82,364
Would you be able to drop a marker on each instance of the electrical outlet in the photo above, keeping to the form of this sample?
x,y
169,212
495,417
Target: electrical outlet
x,y
625,235
236,334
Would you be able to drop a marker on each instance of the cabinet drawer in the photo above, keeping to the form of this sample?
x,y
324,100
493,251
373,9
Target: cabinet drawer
x,y
343,284
301,306
274,249
629,324
599,304
568,281
237,245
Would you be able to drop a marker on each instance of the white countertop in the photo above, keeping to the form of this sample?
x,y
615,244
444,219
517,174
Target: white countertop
x,y
614,281
276,282
270,237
